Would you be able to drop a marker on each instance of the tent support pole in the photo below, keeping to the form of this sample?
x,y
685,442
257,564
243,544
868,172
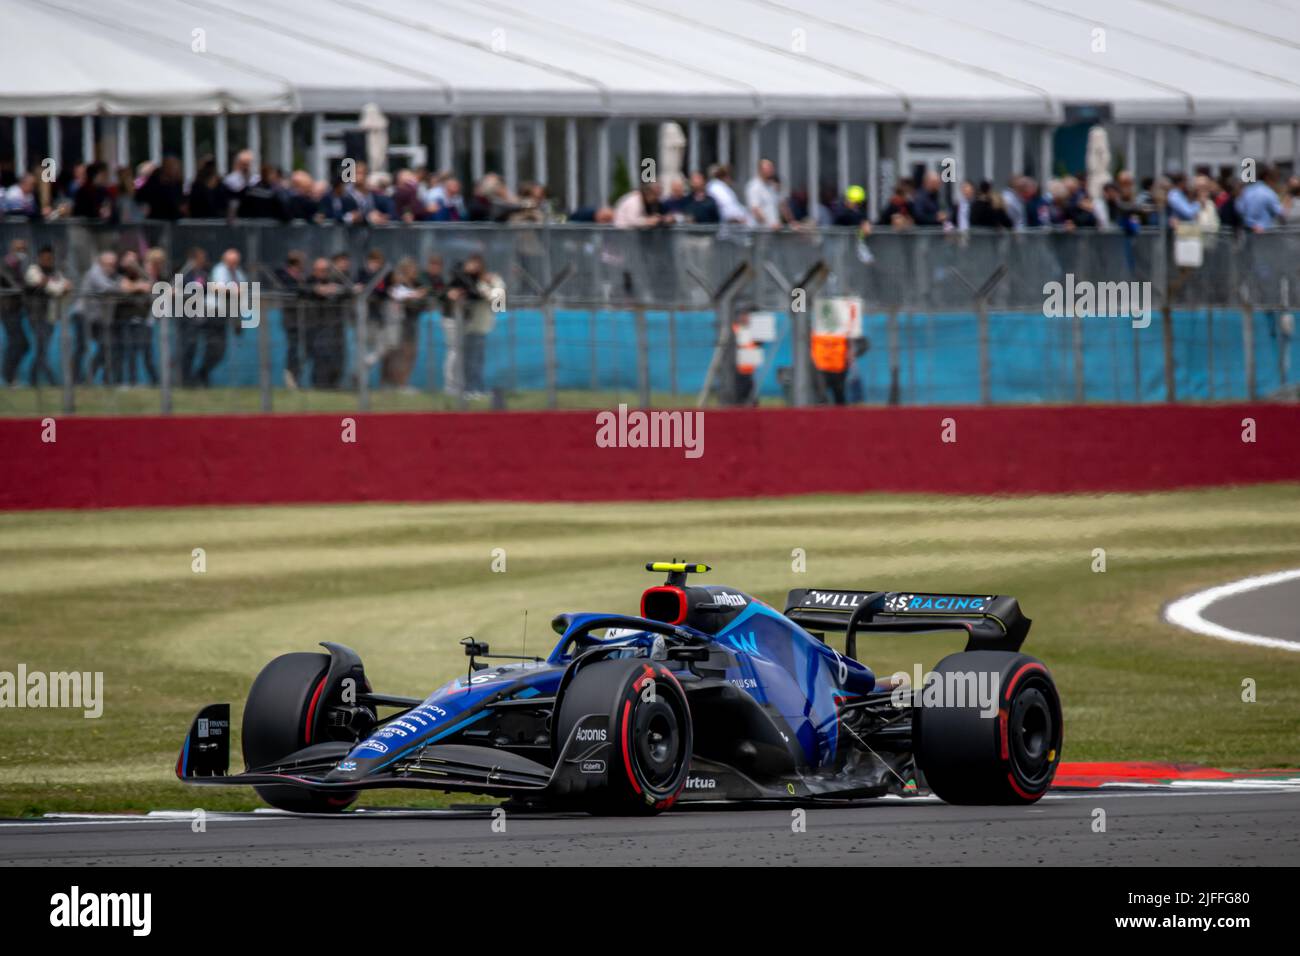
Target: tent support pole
x,y
509,153
187,148
988,153
476,148
20,145
539,150
602,162
286,143
842,157
1044,155
221,135
874,201
318,145
54,135
693,145
571,179
88,139
254,127
446,155
1017,149
814,170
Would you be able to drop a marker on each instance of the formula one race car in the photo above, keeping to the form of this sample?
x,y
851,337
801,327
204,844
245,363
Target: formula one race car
x,y
709,694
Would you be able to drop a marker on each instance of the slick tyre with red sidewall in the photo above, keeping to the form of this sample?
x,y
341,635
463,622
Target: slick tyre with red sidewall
x,y
968,757
650,729
280,718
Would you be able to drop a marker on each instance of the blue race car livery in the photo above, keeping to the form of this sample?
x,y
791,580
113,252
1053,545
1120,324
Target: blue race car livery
x,y
707,694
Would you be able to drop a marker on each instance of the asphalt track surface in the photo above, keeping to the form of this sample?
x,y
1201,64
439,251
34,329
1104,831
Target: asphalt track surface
x,y
1273,611
1193,826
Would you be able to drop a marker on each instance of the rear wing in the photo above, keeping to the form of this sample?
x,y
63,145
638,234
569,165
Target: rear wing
x,y
991,621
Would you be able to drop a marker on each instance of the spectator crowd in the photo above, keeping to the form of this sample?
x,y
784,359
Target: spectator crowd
x,y
94,191
113,318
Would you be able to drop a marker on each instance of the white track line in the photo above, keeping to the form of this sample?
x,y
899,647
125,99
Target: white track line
x,y
1186,611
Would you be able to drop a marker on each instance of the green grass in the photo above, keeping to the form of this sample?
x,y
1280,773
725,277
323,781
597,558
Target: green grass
x,y
113,591
97,400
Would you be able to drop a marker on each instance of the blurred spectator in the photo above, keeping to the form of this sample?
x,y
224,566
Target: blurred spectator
x,y
851,210
1207,210
453,207
898,211
373,279
763,197
380,187
45,288
598,215
987,210
240,177
721,192
338,205
302,201
926,203
266,197
406,197
1258,203
474,293
20,199
292,277
132,328
700,206
12,270
326,293
206,192
125,208
639,208
190,329
92,200
93,315
162,196
408,297
1291,204
222,312
1226,200
1182,207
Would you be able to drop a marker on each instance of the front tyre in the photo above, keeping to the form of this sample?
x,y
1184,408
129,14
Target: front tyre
x,y
281,717
650,733
970,757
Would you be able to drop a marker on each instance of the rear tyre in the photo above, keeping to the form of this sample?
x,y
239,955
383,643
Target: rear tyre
x,y
279,719
1009,758
649,730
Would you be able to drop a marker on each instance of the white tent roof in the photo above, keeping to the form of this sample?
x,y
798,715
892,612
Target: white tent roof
x,y
1163,60
55,62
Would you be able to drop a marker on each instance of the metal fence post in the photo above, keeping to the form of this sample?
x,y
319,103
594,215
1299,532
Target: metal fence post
x,y
642,357
672,353
548,355
67,366
165,362
359,333
264,361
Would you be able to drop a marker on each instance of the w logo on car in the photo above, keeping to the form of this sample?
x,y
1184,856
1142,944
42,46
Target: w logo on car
x,y
744,642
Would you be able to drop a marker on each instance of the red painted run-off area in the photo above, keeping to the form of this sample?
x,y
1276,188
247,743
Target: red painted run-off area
x,y
547,456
